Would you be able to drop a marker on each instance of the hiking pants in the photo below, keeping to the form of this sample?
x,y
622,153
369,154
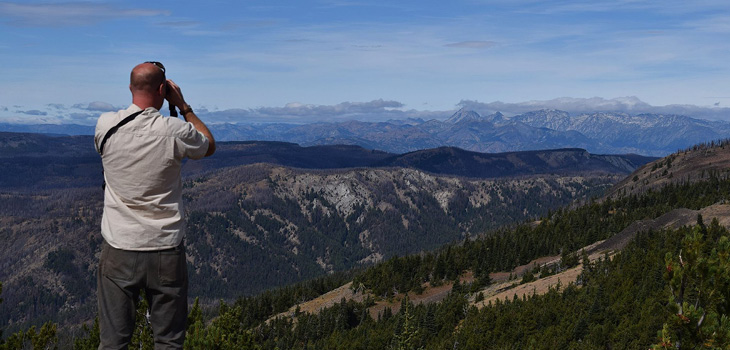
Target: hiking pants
x,y
162,275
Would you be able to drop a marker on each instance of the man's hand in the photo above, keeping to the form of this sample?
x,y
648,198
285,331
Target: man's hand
x,y
174,95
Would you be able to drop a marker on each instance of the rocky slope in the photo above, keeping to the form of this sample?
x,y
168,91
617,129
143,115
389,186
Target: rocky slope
x,y
311,222
697,163
253,227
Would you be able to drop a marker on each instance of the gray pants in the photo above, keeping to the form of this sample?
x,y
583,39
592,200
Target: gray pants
x,y
164,278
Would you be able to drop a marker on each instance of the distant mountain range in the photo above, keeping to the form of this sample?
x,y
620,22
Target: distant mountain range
x,y
599,132
455,161
442,160
35,161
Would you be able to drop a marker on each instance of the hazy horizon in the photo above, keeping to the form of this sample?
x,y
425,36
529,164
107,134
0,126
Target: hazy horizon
x,y
376,111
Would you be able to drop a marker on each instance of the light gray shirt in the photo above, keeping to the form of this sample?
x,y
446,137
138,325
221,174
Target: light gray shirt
x,y
143,207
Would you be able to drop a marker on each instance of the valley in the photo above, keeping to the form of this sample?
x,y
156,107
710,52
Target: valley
x,y
295,212
356,240
577,295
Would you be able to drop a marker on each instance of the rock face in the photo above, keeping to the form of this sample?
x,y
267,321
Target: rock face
x,y
299,224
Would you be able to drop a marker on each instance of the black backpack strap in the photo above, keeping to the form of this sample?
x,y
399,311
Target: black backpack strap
x,y
115,128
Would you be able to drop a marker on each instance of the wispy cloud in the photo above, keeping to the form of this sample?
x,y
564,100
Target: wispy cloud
x,y
322,52
473,44
297,113
67,13
56,106
376,106
301,113
719,23
32,112
252,23
179,24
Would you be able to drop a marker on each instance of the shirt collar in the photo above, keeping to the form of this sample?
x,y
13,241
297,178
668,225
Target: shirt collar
x,y
134,108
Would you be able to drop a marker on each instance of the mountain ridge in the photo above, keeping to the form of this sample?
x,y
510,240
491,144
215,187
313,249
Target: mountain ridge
x,y
598,132
702,162
299,223
36,161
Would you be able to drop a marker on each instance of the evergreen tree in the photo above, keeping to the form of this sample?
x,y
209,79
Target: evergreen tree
x,y
699,280
45,338
409,334
91,340
142,338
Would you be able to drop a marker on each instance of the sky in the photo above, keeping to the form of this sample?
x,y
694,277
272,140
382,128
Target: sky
x,y
327,60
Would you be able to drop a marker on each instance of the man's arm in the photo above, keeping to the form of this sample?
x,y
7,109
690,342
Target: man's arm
x,y
198,124
175,97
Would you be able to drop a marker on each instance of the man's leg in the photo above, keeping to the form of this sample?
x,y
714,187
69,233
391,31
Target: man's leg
x,y
117,292
167,293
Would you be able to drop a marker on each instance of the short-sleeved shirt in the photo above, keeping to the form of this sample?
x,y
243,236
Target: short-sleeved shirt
x,y
143,207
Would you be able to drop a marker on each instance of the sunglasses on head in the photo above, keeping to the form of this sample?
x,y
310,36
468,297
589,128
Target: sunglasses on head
x,y
158,64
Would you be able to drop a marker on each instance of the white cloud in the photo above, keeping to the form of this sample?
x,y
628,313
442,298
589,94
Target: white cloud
x,y
299,113
101,107
295,112
344,108
630,105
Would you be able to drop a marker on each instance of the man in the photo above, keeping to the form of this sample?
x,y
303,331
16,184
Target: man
x,y
143,223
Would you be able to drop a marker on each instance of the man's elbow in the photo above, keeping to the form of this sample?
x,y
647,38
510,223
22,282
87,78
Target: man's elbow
x,y
211,149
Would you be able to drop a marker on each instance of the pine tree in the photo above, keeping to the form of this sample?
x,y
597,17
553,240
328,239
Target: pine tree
x,y
142,338
409,335
699,280
91,340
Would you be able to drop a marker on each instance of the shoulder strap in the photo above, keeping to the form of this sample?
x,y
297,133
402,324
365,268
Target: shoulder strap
x,y
114,129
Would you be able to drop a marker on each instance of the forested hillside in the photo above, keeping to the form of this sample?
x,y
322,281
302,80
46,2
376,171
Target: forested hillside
x,y
665,289
694,164
250,227
299,225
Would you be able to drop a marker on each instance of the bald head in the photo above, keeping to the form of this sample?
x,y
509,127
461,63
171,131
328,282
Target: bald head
x,y
147,84
146,77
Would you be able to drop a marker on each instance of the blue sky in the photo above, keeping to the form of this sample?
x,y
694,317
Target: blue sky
x,y
298,61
